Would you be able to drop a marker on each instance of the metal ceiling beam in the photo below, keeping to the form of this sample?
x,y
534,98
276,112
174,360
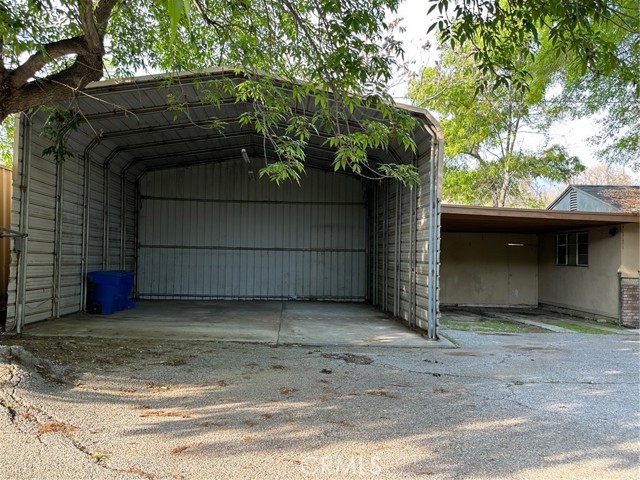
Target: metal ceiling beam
x,y
190,105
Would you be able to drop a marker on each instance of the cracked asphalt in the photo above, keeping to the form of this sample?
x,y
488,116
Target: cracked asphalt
x,y
521,406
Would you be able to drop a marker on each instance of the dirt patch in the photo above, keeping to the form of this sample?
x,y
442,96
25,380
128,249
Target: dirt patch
x,y
183,448
176,361
535,348
166,413
141,473
100,354
343,423
55,427
349,358
381,393
287,392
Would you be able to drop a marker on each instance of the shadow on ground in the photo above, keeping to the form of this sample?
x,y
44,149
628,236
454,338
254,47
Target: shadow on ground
x,y
519,406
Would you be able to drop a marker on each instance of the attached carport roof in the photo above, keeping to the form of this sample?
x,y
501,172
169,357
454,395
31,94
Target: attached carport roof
x,y
459,218
130,126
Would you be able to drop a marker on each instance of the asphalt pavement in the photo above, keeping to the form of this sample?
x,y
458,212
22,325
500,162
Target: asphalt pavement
x,y
502,406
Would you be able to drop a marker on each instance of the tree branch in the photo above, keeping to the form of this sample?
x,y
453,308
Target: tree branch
x,y
103,13
92,37
475,154
205,16
18,93
48,52
86,69
3,69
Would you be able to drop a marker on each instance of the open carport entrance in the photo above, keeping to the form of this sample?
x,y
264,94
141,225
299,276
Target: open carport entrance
x,y
269,322
183,208
497,257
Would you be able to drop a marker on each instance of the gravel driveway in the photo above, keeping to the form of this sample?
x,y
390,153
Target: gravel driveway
x,y
535,406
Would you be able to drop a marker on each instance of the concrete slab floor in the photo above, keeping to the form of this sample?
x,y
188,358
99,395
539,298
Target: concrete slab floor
x,y
269,322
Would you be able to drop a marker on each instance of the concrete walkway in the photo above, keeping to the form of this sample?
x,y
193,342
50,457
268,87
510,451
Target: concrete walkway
x,y
534,323
269,322
535,317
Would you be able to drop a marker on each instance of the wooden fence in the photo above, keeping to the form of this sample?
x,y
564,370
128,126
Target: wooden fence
x,y
5,221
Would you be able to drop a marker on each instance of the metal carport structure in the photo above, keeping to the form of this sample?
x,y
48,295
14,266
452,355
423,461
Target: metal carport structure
x,y
174,202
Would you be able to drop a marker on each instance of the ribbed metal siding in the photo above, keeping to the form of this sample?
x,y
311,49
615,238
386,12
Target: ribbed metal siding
x,y
71,248
399,261
56,203
96,218
131,225
211,232
115,222
41,229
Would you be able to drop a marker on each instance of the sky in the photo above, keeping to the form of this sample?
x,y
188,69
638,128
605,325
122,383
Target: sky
x,y
572,135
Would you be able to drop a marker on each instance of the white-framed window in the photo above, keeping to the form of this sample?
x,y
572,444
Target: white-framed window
x,y
572,249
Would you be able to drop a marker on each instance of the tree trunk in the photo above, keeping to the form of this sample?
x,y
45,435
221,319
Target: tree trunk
x,y
504,190
19,91
56,87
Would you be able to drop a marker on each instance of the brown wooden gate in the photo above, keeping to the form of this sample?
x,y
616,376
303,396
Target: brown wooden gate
x,y
5,221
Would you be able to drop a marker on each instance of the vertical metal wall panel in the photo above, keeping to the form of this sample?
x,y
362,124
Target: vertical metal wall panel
x,y
71,252
41,228
96,218
16,199
422,243
115,219
209,231
54,287
131,208
399,261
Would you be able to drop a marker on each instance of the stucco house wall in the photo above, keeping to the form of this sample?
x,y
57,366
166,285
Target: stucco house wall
x,y
488,269
630,265
591,289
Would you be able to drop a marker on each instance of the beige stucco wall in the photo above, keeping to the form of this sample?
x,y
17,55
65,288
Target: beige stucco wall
x,y
482,269
592,289
630,263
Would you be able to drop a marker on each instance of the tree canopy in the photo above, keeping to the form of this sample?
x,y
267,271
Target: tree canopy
x,y
591,47
486,161
6,142
50,50
335,51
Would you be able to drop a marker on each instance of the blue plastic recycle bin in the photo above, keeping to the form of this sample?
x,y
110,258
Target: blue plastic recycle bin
x,y
109,291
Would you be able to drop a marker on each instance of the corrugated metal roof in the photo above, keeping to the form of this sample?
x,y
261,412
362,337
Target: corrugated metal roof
x,y
136,132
